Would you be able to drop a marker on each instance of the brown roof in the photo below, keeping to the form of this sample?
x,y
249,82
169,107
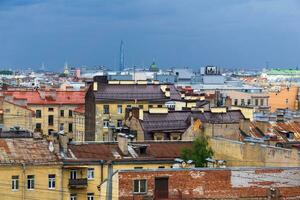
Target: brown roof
x,y
174,120
137,92
28,151
165,150
231,116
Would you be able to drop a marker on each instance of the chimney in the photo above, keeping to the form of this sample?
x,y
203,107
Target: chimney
x,y
98,81
135,112
167,92
63,142
123,143
52,94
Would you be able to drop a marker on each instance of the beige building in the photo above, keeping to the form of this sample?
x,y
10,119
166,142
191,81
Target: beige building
x,y
54,109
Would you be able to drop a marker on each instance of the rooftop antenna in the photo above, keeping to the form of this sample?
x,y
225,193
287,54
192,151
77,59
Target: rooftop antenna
x,y
121,67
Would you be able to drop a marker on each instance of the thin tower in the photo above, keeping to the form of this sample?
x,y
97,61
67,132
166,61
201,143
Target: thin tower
x,y
121,67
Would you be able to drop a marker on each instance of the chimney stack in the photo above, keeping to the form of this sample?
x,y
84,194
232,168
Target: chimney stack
x,y
123,143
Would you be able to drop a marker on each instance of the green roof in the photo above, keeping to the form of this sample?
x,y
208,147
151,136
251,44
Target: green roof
x,y
292,72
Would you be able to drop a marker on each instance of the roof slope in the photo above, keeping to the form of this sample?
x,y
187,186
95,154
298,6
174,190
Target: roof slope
x,y
36,97
135,92
110,151
28,151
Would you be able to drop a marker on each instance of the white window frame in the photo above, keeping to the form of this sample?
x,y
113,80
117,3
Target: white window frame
x,y
105,123
139,186
73,174
119,109
90,173
15,183
73,197
30,182
90,196
51,181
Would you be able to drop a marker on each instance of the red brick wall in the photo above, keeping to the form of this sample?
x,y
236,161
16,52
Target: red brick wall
x,y
211,184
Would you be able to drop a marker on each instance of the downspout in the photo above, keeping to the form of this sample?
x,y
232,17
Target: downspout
x,y
109,182
62,182
24,185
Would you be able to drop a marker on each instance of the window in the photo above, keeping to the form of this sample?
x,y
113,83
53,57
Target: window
x,y
139,186
50,120
50,109
7,110
70,113
51,181
256,102
128,106
105,109
119,109
15,182
105,123
38,126
249,101
141,106
70,127
261,102
90,173
161,167
138,167
90,196
62,113
119,123
73,197
159,106
38,114
30,182
242,102
150,106
62,126
73,174
235,102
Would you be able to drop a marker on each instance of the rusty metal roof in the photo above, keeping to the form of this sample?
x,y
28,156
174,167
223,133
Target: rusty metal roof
x,y
165,150
26,151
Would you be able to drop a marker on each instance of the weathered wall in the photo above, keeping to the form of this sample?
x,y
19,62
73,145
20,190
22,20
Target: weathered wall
x,y
286,98
244,183
250,154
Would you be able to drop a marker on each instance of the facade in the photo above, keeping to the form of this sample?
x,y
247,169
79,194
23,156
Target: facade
x,y
106,103
79,122
284,98
203,183
53,109
29,170
14,115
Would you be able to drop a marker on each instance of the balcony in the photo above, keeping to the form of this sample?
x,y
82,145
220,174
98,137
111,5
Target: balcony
x,y
78,183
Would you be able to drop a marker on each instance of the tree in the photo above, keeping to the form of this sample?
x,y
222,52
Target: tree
x,y
199,152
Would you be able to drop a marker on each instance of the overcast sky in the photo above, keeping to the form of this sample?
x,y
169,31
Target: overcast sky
x,y
176,33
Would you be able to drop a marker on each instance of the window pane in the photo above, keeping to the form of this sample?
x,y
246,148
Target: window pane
x,y
136,186
142,185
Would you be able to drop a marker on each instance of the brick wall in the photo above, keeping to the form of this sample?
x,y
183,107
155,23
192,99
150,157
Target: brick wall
x,y
227,183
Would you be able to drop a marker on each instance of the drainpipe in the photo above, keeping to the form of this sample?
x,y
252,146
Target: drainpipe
x,y
109,182
24,185
62,182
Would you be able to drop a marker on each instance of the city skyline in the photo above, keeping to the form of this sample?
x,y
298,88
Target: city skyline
x,y
176,33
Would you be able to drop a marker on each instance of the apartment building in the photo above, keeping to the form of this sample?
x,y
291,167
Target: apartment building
x,y
107,101
54,109
29,169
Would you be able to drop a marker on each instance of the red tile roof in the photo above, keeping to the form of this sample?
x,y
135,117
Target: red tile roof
x,y
34,97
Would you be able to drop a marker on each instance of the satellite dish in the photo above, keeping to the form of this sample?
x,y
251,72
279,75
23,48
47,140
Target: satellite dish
x,y
51,147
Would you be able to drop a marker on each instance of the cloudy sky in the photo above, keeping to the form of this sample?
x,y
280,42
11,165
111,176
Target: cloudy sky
x,y
176,33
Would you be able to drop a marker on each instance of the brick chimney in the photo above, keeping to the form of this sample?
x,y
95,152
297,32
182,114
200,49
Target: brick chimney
x,y
123,143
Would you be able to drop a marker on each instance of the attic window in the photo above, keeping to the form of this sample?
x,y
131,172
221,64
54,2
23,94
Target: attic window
x,y
143,150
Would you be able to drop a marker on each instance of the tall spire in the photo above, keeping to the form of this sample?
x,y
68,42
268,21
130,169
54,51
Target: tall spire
x,y
121,67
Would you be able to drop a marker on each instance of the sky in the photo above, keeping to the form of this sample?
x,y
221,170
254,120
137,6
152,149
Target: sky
x,y
174,33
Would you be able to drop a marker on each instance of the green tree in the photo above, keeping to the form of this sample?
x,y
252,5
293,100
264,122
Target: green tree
x,y
199,152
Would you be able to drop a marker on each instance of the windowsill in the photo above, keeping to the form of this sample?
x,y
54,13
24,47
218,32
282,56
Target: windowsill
x,y
30,189
91,179
139,193
15,190
51,188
